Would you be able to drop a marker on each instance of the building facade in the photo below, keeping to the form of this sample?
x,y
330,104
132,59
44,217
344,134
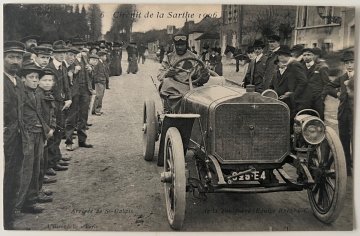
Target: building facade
x,y
329,28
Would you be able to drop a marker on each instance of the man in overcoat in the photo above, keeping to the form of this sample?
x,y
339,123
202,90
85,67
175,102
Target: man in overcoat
x,y
345,110
257,67
13,127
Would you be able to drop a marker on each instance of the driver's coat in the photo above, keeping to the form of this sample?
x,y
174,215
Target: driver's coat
x,y
172,89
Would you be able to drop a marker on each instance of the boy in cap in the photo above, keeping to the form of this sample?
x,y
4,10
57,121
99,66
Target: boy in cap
x,y
42,55
71,114
62,95
33,145
47,102
345,110
12,105
100,75
317,73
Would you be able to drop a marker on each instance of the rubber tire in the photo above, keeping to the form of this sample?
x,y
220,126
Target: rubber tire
x,y
341,178
149,135
176,219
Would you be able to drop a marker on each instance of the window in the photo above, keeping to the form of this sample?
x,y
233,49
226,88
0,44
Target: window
x,y
304,16
327,47
314,45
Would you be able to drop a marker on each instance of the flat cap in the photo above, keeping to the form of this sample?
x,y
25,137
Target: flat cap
x,y
60,46
44,49
30,67
14,46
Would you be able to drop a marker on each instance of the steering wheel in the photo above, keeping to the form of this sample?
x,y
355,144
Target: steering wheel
x,y
189,72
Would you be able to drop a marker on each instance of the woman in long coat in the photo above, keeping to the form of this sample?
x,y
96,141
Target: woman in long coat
x,y
132,58
116,55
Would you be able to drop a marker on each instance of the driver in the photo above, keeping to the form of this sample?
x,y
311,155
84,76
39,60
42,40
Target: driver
x,y
175,81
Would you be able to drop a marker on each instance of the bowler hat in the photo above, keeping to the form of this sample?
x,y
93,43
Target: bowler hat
x,y
30,67
43,49
284,50
73,50
14,46
29,37
317,51
308,50
297,48
258,43
60,46
347,56
274,37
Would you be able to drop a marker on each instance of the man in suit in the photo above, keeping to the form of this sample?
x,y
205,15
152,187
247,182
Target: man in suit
x,y
345,110
72,113
256,70
62,95
317,73
289,81
274,45
13,127
85,92
100,75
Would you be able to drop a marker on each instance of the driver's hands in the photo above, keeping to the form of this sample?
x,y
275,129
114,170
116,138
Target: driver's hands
x,y
202,77
171,72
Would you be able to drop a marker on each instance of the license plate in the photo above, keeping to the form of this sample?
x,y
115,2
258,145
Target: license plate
x,y
252,176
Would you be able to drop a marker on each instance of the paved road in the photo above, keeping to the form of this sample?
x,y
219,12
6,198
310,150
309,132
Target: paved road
x,y
111,187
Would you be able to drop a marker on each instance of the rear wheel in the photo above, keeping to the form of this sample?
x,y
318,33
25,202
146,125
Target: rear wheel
x,y
328,167
174,178
149,130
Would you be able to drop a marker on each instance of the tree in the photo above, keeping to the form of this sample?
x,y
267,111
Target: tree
x,y
121,26
95,23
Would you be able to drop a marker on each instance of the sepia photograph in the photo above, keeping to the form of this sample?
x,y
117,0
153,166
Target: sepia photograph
x,y
139,117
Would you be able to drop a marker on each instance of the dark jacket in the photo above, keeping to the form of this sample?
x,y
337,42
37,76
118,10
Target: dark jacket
x,y
61,90
47,102
332,88
101,73
271,69
256,72
84,78
33,118
318,78
292,80
13,111
74,81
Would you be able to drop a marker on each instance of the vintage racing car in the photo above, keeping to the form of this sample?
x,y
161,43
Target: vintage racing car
x,y
239,141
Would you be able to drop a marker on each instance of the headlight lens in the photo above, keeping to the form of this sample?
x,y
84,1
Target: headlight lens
x,y
313,131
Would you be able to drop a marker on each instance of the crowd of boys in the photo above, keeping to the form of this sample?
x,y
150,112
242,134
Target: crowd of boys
x,y
48,89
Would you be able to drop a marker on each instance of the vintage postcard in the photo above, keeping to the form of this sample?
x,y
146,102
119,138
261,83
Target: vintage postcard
x,y
178,117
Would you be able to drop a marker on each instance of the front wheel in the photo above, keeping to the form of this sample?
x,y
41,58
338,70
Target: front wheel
x,y
328,167
149,130
174,178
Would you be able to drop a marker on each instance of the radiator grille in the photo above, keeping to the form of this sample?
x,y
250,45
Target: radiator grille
x,y
246,133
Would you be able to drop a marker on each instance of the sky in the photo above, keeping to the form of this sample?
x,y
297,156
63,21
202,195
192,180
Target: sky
x,y
172,15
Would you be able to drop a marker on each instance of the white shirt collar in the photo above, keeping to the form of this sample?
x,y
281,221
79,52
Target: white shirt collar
x,y
310,64
258,57
67,65
350,74
100,60
276,49
57,63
